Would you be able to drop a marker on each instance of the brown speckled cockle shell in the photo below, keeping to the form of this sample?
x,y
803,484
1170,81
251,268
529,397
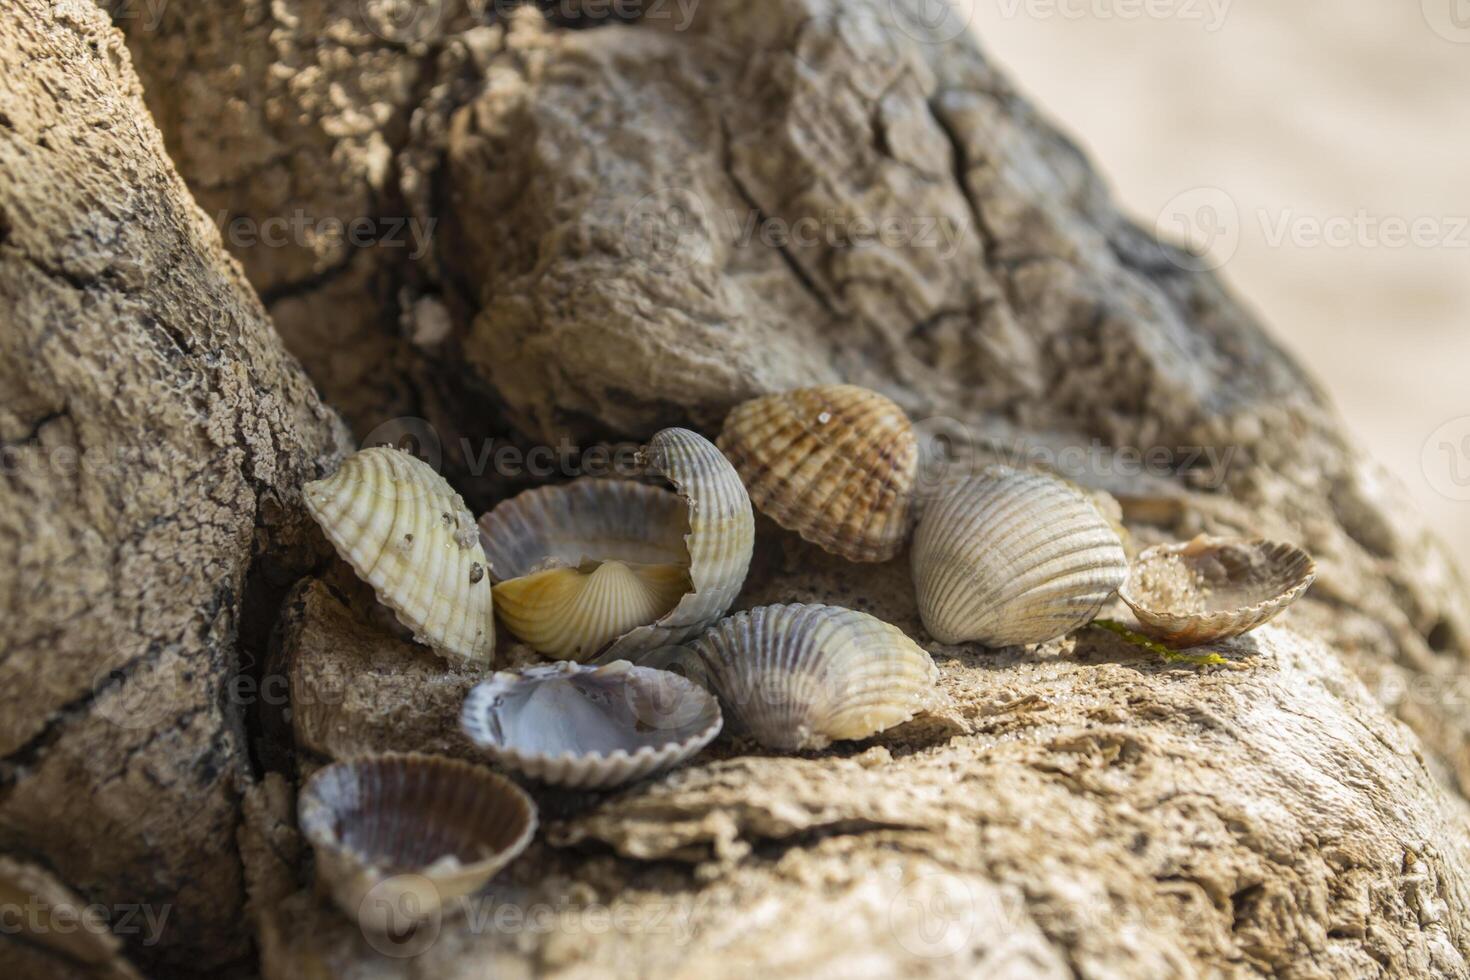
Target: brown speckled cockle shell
x,y
834,463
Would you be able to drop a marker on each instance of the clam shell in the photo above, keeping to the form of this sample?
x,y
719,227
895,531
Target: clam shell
x,y
798,677
721,534
579,564
590,727
408,535
836,464
399,837
1211,589
1008,558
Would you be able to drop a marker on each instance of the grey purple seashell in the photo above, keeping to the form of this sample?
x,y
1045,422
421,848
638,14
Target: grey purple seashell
x,y
590,727
399,837
1007,558
797,677
1211,589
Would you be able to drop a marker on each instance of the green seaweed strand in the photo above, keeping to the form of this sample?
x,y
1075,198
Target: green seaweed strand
x,y
1207,659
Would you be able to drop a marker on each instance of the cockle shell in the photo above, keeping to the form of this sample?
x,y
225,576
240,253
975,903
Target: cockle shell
x,y
798,677
406,533
1009,558
590,727
1211,589
836,464
400,837
579,564
721,535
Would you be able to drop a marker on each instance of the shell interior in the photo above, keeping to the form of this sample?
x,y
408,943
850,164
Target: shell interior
x,y
579,725
801,676
406,533
1215,588
447,825
719,542
835,463
580,564
1007,558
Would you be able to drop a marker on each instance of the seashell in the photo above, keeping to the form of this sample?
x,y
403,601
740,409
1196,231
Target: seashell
x,y
579,564
837,464
1008,558
399,837
798,676
1211,589
590,727
406,533
721,534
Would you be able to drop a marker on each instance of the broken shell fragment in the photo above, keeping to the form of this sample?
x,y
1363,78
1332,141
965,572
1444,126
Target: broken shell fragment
x,y
798,677
400,837
1008,558
836,464
721,535
406,533
579,564
590,727
1211,589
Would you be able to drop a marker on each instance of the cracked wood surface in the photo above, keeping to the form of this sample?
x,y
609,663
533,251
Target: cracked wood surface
x,y
155,434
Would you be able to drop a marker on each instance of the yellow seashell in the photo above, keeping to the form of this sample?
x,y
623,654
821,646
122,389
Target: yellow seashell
x,y
406,533
837,464
1211,589
572,613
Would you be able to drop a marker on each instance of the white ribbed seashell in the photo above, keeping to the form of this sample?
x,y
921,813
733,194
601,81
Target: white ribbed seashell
x,y
406,533
579,564
1211,589
1007,558
719,542
798,677
590,727
399,837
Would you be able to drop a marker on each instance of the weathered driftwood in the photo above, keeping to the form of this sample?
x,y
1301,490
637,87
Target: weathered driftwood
x,y
155,435
605,210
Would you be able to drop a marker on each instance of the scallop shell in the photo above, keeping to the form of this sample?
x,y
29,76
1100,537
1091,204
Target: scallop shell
x,y
721,534
836,464
1008,558
408,535
1211,589
579,564
400,837
799,676
590,727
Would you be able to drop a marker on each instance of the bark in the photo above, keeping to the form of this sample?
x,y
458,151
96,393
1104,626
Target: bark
x,y
606,258
155,436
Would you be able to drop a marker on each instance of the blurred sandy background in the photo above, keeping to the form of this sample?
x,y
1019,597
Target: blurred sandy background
x,y
1339,134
